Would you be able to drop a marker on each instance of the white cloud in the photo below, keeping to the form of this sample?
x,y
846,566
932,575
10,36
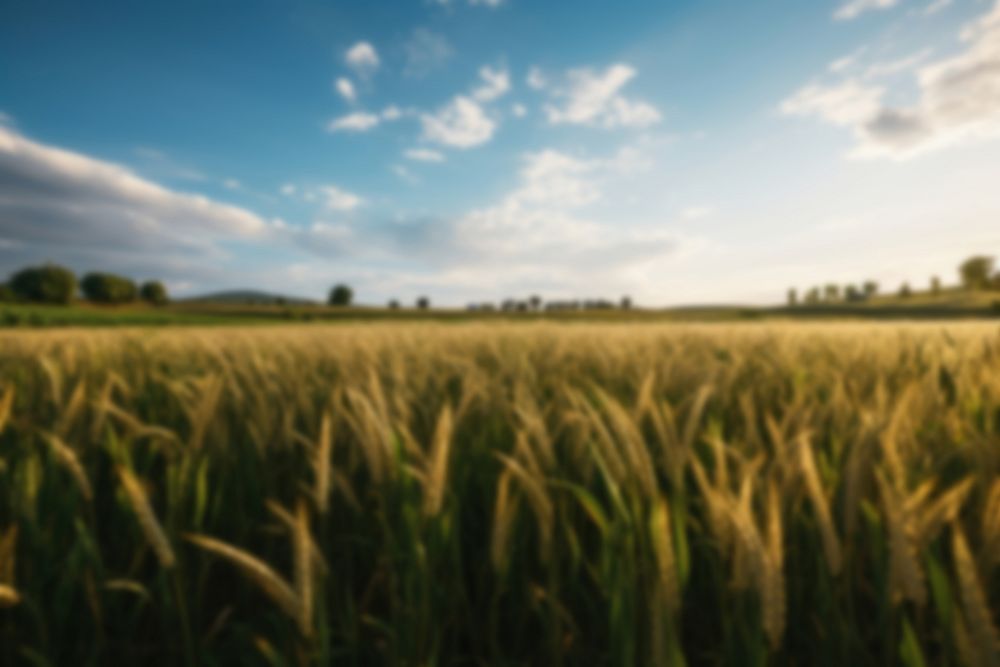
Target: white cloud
x,y
425,51
336,199
363,58
519,110
288,190
844,104
424,155
900,65
958,100
346,89
593,98
460,124
405,174
232,184
855,8
392,112
540,233
536,78
359,121
496,83
936,6
87,212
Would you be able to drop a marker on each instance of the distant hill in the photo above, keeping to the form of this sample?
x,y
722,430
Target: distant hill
x,y
249,298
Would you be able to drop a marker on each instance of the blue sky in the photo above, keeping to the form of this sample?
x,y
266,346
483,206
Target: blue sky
x,y
473,150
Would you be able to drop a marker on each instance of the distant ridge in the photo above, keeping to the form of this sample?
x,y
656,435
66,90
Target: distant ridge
x,y
249,297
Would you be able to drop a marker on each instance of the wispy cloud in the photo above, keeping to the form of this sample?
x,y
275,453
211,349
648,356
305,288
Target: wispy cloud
x,y
958,100
359,121
855,8
346,89
362,58
462,123
425,51
424,155
594,98
496,83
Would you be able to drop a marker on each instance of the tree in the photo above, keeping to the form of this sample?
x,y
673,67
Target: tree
x,y
108,288
423,303
793,297
340,295
935,285
832,292
871,288
976,272
154,292
393,304
812,296
852,293
904,291
44,284
535,301
6,293
626,303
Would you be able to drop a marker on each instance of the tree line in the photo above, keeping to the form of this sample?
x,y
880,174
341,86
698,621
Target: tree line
x,y
52,284
976,274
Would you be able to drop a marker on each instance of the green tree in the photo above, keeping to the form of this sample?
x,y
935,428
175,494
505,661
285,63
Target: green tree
x,y
6,293
812,296
871,288
154,292
793,297
108,288
535,301
626,303
976,272
44,284
341,295
423,303
831,293
393,304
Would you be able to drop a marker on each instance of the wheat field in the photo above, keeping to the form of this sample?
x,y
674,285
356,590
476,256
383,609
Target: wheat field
x,y
501,494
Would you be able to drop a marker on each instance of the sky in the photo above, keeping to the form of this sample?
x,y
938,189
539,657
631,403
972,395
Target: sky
x,y
694,151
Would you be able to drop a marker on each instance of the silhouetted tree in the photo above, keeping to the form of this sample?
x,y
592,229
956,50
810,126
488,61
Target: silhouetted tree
x,y
812,296
154,292
935,285
393,304
905,292
871,288
832,293
535,301
852,293
976,272
423,303
44,284
108,288
626,303
793,297
340,295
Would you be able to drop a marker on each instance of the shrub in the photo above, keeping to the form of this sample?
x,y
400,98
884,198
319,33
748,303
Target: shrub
x,y
108,288
44,284
154,292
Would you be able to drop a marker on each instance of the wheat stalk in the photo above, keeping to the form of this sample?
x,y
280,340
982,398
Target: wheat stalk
x,y
68,459
437,474
257,571
982,631
146,517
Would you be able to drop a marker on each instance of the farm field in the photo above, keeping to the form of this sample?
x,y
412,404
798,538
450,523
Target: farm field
x,y
501,494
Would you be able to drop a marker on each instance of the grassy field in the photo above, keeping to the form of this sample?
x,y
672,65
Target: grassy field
x,y
501,494
950,304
